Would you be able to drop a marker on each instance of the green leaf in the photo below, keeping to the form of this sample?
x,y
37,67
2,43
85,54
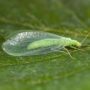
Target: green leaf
x,y
54,71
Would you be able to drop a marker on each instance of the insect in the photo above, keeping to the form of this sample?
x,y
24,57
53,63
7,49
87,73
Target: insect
x,y
36,43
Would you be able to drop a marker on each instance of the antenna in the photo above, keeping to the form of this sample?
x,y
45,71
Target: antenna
x,y
85,38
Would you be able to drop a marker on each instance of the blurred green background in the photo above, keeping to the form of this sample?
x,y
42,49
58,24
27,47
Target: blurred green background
x,y
54,71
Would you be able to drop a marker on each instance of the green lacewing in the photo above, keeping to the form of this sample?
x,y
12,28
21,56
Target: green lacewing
x,y
36,43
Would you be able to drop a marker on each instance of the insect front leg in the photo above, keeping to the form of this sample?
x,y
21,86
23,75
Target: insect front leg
x,y
68,53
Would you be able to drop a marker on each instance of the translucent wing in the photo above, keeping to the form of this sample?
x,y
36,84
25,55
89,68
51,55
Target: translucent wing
x,y
17,44
45,50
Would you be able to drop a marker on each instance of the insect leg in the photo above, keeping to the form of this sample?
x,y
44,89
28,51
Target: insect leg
x,y
75,48
69,53
58,49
